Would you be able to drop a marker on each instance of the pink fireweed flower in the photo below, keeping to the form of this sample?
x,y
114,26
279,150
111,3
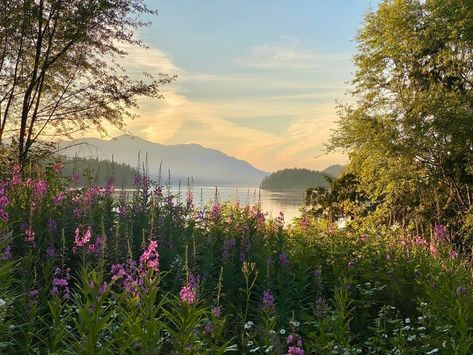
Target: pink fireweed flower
x,y
295,350
30,235
216,311
81,241
149,260
16,179
40,187
188,294
433,249
57,166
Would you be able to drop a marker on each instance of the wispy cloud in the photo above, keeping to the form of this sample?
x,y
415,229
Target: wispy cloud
x,y
225,124
286,53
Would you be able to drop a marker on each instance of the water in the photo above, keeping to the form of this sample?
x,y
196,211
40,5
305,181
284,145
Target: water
x,y
272,202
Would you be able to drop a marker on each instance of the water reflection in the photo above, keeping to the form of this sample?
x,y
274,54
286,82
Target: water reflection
x,y
272,202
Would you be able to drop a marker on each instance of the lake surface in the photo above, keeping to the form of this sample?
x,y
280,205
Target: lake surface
x,y
272,202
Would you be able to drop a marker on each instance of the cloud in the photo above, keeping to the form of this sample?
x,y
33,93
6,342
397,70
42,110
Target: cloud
x,y
286,53
214,123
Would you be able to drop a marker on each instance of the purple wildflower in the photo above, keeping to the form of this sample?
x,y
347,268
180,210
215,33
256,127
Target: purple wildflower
x,y
216,311
283,259
50,252
268,302
440,230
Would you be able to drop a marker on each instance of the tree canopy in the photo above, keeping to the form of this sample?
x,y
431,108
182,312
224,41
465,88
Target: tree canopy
x,y
60,67
409,134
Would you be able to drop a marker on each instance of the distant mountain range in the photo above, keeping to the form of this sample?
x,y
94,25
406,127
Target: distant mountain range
x,y
204,165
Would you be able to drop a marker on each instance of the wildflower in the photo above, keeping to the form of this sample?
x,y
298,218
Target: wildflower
x,y
268,301
209,329
118,271
33,296
50,252
187,294
149,260
189,200
61,283
294,350
228,245
58,198
460,291
283,259
248,325
57,166
30,235
304,222
40,188
103,288
282,331
363,237
453,254
81,241
294,323
440,230
3,204
216,209
75,178
216,311
7,253
433,249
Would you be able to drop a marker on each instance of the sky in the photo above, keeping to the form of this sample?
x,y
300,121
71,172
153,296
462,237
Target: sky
x,y
257,79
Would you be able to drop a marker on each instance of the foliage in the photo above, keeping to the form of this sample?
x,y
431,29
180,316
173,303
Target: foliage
x,y
61,68
293,179
82,271
409,134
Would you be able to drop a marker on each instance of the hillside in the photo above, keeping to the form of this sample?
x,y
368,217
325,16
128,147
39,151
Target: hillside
x,y
99,171
293,179
204,165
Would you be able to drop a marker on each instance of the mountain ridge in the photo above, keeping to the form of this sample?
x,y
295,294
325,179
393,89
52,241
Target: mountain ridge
x,y
203,165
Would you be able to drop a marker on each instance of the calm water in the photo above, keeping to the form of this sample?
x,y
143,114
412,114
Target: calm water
x,y
271,202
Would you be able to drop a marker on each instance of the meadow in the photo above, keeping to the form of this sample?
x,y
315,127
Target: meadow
x,y
83,272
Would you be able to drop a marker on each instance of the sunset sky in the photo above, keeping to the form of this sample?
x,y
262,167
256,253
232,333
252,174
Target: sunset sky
x,y
258,80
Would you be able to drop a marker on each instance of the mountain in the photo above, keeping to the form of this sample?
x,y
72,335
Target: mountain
x,y
333,170
204,165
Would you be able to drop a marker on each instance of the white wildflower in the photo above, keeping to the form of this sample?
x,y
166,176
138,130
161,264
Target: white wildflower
x,y
282,331
249,325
